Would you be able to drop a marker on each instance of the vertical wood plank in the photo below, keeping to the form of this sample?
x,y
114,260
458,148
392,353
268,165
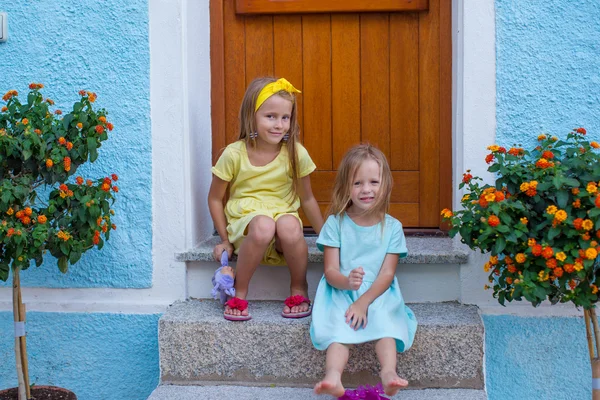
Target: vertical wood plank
x,y
316,53
374,81
445,108
259,47
235,71
404,91
217,67
345,83
429,116
287,50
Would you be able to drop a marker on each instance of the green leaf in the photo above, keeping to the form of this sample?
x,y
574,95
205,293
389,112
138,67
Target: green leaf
x,y
571,182
63,264
562,197
67,121
594,212
74,257
553,232
4,269
500,245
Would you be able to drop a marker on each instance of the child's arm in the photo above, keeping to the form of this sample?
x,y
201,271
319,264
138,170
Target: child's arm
x,y
333,275
356,315
310,205
218,187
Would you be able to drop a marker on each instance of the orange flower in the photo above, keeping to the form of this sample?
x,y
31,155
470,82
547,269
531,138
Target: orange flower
x,y
58,112
575,191
69,146
28,211
493,221
82,92
467,178
499,196
4,109
577,203
595,145
489,158
10,232
26,220
34,86
113,226
115,189
572,284
551,263
509,280
110,126
578,223
511,268
520,258
9,95
89,182
50,101
483,202
536,250
558,272
548,155
67,162
91,97
63,187
19,214
594,288
597,201
515,151
547,252
581,131
114,177
79,180
62,140
99,128
37,131
10,211
591,253
24,121
79,125
42,219
102,119
105,187
569,268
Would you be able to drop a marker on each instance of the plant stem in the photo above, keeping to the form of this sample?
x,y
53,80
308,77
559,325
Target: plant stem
x,y
588,334
23,343
16,294
592,312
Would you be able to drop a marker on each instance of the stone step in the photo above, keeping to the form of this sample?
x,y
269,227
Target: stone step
x,y
168,392
197,345
430,273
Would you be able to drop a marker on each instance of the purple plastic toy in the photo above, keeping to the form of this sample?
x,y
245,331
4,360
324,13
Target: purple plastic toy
x,y
223,283
366,392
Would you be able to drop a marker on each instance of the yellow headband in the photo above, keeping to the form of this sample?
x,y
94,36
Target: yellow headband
x,y
273,88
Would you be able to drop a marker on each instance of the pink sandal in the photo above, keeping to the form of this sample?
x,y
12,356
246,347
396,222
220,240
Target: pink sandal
x,y
296,300
235,303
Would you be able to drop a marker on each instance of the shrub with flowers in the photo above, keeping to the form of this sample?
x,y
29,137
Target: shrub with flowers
x,y
41,148
540,221
44,207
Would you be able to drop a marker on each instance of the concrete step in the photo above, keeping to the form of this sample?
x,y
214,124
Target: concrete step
x,y
168,392
430,273
197,345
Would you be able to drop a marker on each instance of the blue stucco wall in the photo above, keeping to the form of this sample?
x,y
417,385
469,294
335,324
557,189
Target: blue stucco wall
x,y
101,46
547,68
536,358
97,356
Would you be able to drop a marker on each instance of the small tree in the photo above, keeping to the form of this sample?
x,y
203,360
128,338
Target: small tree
x,y
43,209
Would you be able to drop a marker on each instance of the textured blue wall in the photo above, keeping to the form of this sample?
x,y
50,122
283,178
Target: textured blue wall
x,y
536,358
97,356
101,46
547,68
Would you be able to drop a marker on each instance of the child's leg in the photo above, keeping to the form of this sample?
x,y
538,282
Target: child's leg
x,y
386,353
337,357
290,240
260,233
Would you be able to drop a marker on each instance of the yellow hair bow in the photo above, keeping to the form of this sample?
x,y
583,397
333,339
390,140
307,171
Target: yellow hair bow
x,y
273,88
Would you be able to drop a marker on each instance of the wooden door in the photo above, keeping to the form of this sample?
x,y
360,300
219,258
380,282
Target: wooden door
x,y
378,77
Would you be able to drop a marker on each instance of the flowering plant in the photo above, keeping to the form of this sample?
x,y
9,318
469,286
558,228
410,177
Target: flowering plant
x,y
540,221
43,149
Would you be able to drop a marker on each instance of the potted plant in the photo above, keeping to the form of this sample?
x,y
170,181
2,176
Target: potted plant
x,y
540,223
45,207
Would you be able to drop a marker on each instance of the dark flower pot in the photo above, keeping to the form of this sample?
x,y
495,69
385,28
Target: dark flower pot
x,y
40,393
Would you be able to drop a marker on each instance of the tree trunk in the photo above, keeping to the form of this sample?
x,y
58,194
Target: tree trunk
x,y
20,343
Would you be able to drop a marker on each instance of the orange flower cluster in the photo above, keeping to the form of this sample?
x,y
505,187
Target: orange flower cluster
x,y
516,151
493,221
67,163
530,188
10,94
467,177
65,191
35,86
63,235
544,163
96,238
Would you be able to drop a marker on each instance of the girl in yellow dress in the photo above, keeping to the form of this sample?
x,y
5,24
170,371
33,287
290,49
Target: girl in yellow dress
x,y
268,174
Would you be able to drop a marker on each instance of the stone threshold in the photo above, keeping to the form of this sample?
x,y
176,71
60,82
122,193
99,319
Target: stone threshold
x,y
421,250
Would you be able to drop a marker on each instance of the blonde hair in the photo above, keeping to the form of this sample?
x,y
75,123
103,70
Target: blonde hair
x,y
248,124
345,177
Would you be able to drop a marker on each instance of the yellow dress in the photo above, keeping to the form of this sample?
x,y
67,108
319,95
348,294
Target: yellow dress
x,y
264,190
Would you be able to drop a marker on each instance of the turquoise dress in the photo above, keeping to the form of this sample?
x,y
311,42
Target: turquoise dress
x,y
387,316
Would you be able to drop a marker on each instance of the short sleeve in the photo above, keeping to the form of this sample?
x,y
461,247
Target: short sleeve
x,y
330,233
397,244
225,167
305,163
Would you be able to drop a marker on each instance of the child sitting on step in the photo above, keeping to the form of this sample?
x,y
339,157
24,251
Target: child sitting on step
x,y
358,299
268,174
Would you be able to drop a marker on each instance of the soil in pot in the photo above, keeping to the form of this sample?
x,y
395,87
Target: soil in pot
x,y
40,393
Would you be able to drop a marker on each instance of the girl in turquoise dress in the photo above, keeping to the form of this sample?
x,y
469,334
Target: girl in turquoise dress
x,y
358,299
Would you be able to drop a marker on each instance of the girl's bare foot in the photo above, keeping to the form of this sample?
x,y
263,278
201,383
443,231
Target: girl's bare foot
x,y
392,382
331,384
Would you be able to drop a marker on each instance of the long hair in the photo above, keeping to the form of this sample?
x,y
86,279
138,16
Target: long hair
x,y
248,125
344,179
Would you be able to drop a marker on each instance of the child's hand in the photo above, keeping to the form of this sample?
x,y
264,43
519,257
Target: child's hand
x,y
220,248
356,315
355,278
